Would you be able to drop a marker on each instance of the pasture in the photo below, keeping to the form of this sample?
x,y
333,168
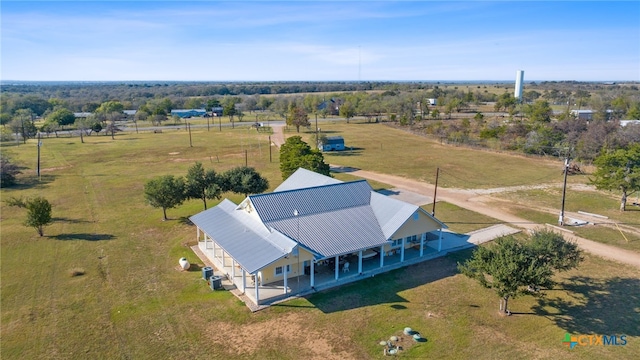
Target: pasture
x,y
132,302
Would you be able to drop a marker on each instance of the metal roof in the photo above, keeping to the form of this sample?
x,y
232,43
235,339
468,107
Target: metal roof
x,y
390,213
328,219
245,239
319,199
332,233
303,178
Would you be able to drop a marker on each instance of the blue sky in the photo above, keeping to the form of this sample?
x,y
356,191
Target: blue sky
x,y
318,41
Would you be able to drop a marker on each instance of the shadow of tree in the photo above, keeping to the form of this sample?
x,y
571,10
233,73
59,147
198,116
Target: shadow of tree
x,y
70,221
595,306
32,182
83,236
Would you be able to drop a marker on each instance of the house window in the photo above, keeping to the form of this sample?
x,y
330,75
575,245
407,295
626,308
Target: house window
x,y
279,270
414,239
396,243
416,216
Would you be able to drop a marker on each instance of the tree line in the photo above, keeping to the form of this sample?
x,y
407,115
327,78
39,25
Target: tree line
x,y
169,191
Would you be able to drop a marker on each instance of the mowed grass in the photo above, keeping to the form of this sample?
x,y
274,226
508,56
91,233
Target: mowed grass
x,y
132,301
621,229
380,148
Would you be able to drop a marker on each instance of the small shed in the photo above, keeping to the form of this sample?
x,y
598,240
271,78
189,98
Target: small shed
x,y
333,143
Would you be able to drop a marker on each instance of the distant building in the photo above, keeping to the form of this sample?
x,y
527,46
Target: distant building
x,y
79,115
582,114
187,113
333,143
519,83
432,102
627,122
217,111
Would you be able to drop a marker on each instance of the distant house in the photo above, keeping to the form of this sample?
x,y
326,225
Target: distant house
x,y
333,143
130,113
313,232
582,114
627,122
432,101
217,111
187,113
588,114
82,115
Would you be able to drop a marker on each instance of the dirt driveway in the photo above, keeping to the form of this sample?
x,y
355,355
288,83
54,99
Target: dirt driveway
x,y
476,201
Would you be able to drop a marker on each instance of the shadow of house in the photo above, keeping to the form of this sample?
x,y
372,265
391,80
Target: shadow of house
x,y
596,306
383,288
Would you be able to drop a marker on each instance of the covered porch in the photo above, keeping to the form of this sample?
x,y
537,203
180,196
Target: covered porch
x,y
320,274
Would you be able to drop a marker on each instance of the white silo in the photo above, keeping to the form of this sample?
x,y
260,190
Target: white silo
x,y
519,81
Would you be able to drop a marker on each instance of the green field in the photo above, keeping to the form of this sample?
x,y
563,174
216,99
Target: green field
x,y
133,303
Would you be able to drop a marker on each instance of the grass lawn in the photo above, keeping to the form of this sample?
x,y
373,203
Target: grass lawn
x,y
131,301
380,148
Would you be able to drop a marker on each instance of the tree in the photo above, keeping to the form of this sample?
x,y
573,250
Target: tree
x,y
347,110
38,212
244,180
165,192
8,171
108,107
296,153
618,170
512,268
62,117
22,124
297,117
201,184
540,111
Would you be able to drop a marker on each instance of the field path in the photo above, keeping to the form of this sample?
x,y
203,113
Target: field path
x,y
278,134
471,200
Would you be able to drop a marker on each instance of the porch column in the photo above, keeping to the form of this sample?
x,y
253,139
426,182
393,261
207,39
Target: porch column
x,y
284,272
233,271
244,281
313,279
382,256
257,285
440,240
223,264
360,262
337,267
422,239
198,234
404,241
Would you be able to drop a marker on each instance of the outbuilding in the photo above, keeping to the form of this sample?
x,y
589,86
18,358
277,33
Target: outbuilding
x,y
333,143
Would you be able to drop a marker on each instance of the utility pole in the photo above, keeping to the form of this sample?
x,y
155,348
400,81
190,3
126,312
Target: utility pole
x,y
435,192
269,148
189,127
246,159
564,191
39,144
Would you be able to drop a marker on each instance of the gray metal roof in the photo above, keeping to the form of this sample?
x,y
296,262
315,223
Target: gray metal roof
x,y
391,213
329,219
303,178
336,232
245,239
282,204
